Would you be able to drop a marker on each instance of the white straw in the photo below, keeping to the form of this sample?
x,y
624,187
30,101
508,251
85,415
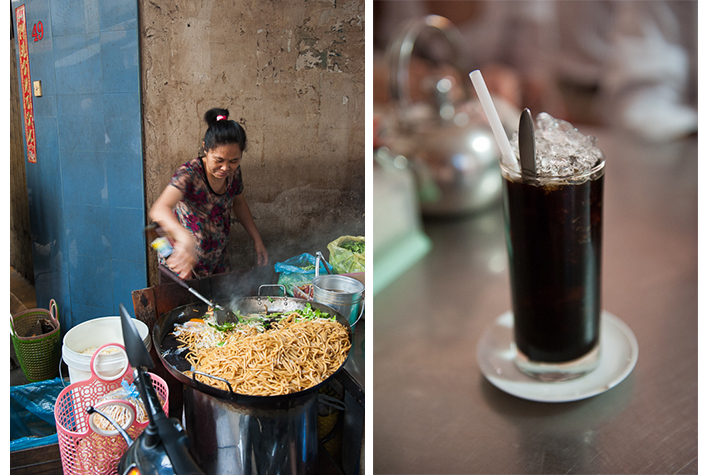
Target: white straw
x,y
496,125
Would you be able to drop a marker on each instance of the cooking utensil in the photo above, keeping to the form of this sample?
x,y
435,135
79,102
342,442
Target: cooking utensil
x,y
319,258
238,433
172,358
526,144
341,293
221,314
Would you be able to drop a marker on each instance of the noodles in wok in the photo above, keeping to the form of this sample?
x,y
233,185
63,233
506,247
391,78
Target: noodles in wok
x,y
265,355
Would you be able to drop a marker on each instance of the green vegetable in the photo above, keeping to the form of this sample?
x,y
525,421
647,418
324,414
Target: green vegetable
x,y
258,321
226,326
357,247
308,313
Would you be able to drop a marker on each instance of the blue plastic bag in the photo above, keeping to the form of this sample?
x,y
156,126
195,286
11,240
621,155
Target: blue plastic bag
x,y
32,414
299,269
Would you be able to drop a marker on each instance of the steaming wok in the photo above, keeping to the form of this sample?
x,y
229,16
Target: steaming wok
x,y
173,360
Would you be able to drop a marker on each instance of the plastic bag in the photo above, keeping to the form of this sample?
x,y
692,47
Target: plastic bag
x,y
298,269
347,254
125,392
32,414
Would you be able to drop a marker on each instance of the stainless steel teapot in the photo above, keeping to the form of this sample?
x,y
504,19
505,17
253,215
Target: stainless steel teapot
x,y
445,140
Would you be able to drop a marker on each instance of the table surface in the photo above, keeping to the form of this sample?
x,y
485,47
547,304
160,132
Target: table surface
x,y
434,411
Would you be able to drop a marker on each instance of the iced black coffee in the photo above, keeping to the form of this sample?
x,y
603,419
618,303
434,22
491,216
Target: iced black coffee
x,y
554,234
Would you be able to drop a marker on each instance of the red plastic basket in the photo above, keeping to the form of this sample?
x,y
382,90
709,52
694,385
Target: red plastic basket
x,y
83,449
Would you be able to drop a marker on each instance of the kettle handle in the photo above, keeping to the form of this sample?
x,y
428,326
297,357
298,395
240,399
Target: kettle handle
x,y
400,52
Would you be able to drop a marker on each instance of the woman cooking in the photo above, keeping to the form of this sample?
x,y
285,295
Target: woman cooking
x,y
195,207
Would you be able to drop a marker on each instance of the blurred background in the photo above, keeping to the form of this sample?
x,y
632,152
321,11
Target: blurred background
x,y
633,63
627,65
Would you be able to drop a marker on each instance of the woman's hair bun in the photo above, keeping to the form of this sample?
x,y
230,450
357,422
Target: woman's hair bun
x,y
221,130
213,115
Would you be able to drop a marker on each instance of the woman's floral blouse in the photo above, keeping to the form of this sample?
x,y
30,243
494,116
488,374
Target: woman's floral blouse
x,y
206,214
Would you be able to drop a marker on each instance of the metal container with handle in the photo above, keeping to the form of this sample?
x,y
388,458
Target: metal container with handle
x,y
340,292
445,140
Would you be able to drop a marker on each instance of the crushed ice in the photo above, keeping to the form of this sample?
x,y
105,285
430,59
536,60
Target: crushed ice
x,y
560,149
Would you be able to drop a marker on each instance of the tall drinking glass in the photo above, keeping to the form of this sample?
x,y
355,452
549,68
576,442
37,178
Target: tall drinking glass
x,y
554,238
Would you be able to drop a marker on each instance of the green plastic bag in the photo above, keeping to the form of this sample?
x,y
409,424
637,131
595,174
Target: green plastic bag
x,y
347,254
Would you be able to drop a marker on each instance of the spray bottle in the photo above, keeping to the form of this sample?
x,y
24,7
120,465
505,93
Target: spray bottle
x,y
160,240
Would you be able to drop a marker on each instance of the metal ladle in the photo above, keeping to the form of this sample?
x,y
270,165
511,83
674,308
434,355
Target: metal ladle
x,y
319,258
220,313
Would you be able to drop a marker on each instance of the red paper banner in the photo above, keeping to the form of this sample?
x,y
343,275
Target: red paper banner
x,y
26,84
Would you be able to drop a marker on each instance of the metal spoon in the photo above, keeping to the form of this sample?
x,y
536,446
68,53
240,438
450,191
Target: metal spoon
x,y
526,145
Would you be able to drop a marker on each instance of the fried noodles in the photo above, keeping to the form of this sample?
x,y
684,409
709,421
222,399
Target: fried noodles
x,y
282,357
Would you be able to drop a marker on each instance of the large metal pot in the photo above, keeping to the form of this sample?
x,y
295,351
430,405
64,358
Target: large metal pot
x,y
241,434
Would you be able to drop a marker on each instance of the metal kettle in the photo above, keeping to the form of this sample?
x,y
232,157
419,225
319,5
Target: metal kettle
x,y
445,140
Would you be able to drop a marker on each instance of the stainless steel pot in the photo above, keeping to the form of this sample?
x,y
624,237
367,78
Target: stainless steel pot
x,y
241,434
341,293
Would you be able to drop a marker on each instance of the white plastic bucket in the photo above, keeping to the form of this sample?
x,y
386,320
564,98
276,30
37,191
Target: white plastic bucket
x,y
94,334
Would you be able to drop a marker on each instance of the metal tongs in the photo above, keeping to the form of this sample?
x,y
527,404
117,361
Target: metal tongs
x,y
526,145
222,315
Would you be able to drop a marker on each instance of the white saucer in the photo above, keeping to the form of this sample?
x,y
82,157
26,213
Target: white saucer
x,y
619,352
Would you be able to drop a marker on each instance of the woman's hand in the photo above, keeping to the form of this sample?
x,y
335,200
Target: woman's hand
x,y
184,255
183,258
262,257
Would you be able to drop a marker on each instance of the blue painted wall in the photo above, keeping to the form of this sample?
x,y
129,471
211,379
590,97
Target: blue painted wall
x,y
86,194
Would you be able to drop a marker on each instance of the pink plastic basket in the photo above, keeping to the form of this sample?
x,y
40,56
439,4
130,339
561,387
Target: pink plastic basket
x,y
83,449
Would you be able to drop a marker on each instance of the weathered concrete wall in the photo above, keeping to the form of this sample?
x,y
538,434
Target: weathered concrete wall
x,y
293,73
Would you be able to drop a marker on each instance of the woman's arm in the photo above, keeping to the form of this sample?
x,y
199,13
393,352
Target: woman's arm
x,y
183,257
243,215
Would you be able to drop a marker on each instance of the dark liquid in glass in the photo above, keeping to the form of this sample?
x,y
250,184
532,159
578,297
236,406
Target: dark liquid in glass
x,y
554,246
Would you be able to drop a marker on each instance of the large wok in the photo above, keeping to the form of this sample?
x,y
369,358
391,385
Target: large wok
x,y
233,433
